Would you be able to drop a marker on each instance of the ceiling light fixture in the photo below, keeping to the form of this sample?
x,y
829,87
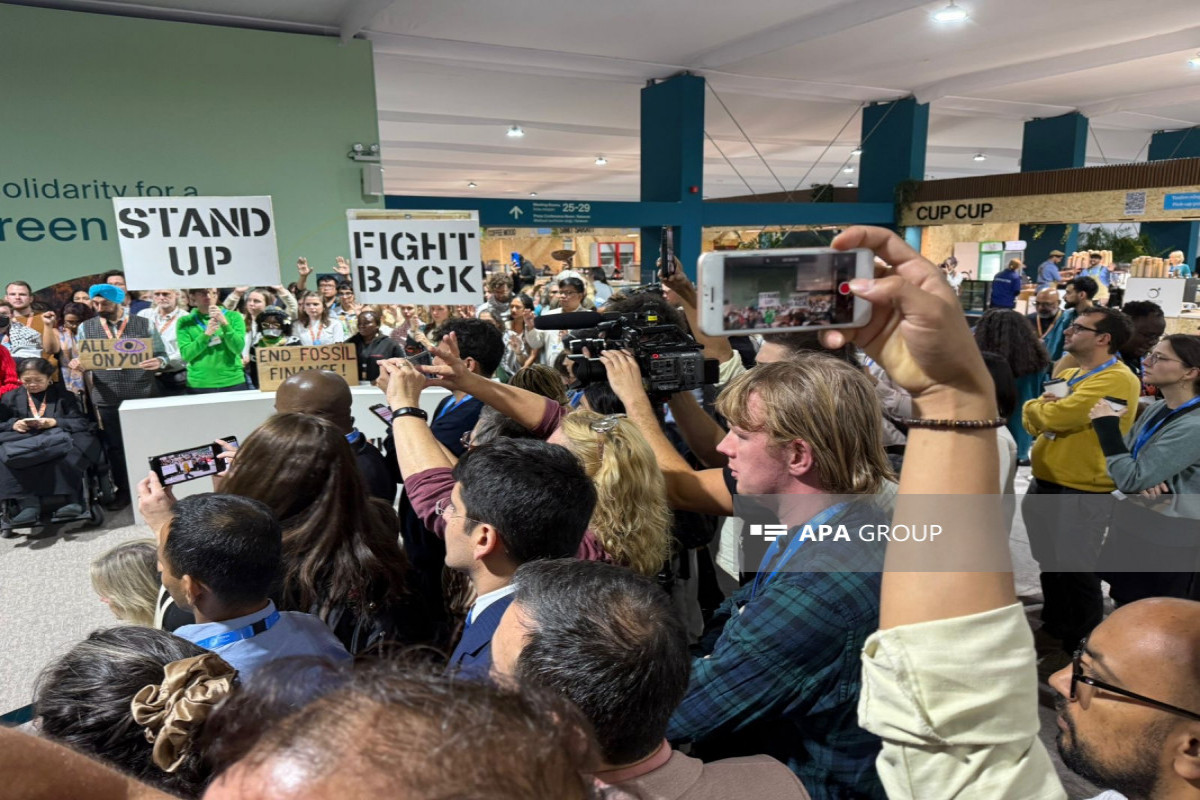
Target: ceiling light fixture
x,y
847,169
533,194
601,161
471,184
980,157
1194,61
850,183
856,151
515,132
951,13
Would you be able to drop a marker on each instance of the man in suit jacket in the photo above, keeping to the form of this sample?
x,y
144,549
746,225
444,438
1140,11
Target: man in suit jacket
x,y
500,506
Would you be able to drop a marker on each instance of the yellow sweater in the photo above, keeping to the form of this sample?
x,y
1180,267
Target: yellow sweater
x,y
1071,454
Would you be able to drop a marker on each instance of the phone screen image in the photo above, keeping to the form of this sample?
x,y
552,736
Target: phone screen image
x,y
190,464
786,291
383,412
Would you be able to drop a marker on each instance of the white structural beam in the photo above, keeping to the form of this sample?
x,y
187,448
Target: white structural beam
x,y
1048,66
826,22
1164,98
357,15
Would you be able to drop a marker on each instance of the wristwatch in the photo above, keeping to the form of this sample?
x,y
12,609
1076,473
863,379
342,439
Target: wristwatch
x,y
409,411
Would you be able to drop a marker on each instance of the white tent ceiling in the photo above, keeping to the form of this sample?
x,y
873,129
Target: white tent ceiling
x,y
452,77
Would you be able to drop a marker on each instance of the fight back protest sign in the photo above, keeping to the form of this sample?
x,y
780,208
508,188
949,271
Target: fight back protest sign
x,y
418,257
277,364
197,242
113,353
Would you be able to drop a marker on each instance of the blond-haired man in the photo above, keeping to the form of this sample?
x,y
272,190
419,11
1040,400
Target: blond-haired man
x,y
778,671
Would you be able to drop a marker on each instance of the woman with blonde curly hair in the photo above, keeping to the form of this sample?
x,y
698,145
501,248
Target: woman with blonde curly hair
x,y
631,520
126,579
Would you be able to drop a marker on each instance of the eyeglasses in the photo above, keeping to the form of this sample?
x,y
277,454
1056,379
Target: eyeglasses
x,y
443,508
567,292
1084,695
1075,327
1154,358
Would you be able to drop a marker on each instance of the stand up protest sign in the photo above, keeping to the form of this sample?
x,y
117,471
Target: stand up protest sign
x,y
417,257
113,353
197,242
277,364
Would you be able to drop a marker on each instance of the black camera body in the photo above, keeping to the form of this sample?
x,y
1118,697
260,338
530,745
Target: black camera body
x,y
670,359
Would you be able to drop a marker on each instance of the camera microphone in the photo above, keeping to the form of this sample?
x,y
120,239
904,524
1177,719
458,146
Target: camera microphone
x,y
569,321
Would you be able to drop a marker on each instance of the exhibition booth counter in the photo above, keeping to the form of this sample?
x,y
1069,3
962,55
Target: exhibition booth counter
x,y
159,425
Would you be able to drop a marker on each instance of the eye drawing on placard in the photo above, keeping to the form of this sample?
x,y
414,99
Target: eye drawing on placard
x,y
129,346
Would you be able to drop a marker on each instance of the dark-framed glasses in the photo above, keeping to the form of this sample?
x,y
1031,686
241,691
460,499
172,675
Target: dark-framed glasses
x,y
1083,689
1075,327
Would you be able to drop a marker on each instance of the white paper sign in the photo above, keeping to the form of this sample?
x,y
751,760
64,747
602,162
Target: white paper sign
x,y
197,242
768,299
415,257
1167,292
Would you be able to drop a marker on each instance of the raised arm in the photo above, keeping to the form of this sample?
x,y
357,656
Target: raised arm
x,y
705,491
454,373
50,343
699,430
416,448
717,347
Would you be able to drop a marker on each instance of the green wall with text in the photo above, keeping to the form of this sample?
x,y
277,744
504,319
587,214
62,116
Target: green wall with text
x,y
92,106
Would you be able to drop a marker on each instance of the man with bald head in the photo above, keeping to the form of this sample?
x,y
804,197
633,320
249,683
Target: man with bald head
x,y
326,394
1129,706
1048,320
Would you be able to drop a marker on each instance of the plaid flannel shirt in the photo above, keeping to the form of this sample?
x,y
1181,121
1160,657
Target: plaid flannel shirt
x,y
780,670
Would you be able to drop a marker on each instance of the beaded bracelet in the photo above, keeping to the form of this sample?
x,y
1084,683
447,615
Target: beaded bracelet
x,y
951,424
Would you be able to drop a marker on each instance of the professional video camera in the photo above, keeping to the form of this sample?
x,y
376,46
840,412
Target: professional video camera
x,y
670,359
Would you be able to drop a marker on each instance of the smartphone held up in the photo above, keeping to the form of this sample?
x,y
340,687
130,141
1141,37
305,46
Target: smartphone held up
x,y
782,291
201,461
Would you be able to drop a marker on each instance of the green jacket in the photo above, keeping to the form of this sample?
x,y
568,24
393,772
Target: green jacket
x,y
212,362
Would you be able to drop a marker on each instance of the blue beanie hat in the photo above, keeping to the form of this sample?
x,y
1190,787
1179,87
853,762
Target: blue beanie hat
x,y
113,294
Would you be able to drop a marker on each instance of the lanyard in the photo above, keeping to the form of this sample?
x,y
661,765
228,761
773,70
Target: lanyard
x,y
794,545
1092,372
450,406
162,328
1042,333
315,336
248,632
37,412
1148,432
120,330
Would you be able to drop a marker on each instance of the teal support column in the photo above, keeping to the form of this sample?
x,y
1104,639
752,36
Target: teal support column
x,y
893,148
673,164
1052,143
913,235
1183,235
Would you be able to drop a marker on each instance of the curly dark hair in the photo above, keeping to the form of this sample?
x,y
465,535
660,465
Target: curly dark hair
x,y
1009,335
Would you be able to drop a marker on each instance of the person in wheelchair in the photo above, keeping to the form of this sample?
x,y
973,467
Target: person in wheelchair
x,y
47,446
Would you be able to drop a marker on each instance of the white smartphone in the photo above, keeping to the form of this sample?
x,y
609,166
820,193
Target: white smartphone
x,y
781,291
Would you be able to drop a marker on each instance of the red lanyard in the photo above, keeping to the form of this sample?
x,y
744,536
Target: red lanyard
x,y
317,335
120,330
37,412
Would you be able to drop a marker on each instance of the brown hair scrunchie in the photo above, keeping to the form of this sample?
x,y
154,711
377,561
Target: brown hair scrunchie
x,y
172,711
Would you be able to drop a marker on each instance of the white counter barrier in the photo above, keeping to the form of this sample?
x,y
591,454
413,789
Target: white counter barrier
x,y
161,425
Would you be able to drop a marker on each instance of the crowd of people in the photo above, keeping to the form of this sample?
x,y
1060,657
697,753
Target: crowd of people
x,y
573,596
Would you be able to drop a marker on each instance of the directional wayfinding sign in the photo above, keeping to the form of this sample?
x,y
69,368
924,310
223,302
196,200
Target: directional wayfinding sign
x,y
418,257
555,213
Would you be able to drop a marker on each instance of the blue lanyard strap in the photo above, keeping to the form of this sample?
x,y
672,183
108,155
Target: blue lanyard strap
x,y
248,632
451,405
794,545
1149,431
1092,372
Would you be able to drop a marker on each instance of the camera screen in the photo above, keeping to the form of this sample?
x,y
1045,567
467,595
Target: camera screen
x,y
788,290
186,465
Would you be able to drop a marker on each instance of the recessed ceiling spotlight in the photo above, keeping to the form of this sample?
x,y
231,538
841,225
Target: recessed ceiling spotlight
x,y
471,184
980,157
1194,61
847,169
850,183
856,151
601,161
533,194
951,13
515,132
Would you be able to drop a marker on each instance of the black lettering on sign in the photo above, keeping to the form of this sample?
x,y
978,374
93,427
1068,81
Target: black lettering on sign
x,y
399,280
423,273
132,217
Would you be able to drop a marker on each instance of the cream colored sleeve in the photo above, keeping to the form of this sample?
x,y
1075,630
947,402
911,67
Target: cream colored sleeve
x,y
730,369
955,702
